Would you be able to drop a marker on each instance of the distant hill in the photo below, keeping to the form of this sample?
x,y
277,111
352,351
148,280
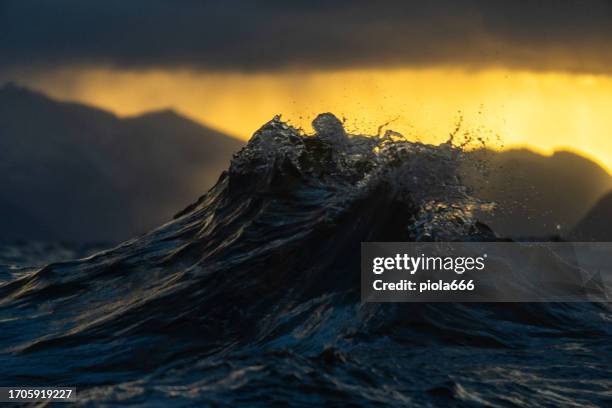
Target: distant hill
x,y
538,195
79,174
596,224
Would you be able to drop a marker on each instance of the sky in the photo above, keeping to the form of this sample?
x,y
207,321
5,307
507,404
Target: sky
x,y
536,73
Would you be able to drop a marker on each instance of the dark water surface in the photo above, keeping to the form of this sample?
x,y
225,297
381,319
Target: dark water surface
x,y
251,297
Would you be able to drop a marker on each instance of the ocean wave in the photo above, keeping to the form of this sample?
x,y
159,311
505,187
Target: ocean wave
x,y
250,296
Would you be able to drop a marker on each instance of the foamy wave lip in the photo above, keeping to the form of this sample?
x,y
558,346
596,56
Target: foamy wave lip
x,y
425,176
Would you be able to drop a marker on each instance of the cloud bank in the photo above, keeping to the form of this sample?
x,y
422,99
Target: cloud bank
x,y
240,35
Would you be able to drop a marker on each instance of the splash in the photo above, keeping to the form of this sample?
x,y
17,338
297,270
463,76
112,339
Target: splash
x,y
423,177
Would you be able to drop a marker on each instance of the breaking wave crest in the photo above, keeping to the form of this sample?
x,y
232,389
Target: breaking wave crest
x,y
251,295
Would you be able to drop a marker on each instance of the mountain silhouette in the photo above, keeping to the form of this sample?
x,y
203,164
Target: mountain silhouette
x,y
597,223
75,173
537,195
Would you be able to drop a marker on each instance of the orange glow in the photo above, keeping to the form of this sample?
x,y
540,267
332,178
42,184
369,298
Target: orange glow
x,y
544,111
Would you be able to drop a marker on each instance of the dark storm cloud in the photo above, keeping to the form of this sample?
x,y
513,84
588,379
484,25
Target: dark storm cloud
x,y
257,35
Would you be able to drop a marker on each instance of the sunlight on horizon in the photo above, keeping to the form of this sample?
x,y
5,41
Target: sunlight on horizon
x,y
544,111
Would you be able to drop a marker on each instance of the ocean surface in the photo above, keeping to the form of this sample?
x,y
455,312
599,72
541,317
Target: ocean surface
x,y
251,296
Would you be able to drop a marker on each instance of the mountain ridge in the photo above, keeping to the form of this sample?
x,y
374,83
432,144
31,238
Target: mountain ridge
x,y
596,225
90,175
537,195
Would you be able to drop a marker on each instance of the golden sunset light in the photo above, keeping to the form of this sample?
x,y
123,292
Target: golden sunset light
x,y
543,111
